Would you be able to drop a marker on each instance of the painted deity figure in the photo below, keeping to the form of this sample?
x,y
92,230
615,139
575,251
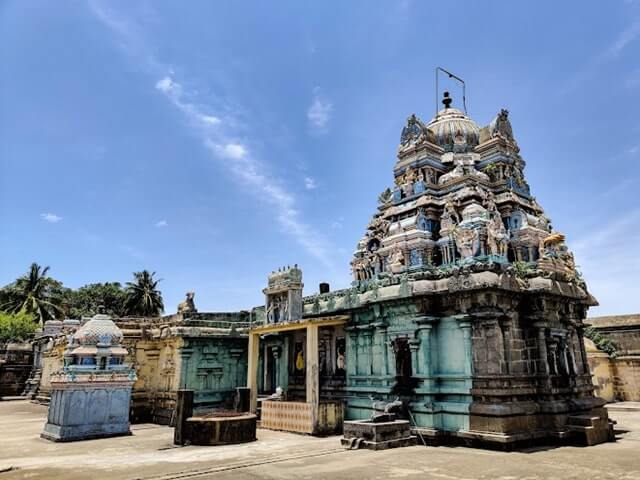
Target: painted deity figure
x,y
396,261
450,217
466,240
497,237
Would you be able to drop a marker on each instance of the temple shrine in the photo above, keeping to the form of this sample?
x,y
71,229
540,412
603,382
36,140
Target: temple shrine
x,y
466,307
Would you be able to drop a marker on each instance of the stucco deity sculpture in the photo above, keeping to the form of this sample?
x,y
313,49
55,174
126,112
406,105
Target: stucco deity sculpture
x,y
187,306
396,261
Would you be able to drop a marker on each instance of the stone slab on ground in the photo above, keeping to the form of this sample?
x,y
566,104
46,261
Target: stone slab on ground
x,y
623,407
149,455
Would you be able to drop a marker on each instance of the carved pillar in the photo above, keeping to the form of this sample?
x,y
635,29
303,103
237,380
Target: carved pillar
x,y
367,345
464,321
583,352
352,353
543,364
505,327
252,370
425,335
312,370
275,351
426,323
384,349
414,346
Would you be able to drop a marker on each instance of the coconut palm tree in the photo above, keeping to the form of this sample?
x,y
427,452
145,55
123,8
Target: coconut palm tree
x,y
143,298
35,293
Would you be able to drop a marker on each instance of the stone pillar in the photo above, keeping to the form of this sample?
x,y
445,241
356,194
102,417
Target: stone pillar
x,y
312,371
367,347
543,356
252,370
184,410
352,353
464,321
425,336
414,346
583,352
275,350
506,343
384,350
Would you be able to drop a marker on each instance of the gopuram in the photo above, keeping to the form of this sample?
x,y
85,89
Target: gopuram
x,y
466,307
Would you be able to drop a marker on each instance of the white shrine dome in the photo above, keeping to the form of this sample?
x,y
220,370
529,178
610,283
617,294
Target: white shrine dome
x,y
452,124
99,330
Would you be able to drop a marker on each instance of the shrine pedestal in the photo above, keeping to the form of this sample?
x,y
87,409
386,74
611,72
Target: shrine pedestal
x,y
377,436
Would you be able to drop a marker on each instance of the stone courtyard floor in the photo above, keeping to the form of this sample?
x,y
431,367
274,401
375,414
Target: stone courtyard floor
x,y
149,455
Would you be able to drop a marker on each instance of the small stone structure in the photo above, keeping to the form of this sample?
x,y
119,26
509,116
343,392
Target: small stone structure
x,y
213,428
90,396
15,365
377,435
384,430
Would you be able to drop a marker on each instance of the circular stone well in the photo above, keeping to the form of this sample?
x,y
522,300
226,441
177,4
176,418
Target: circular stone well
x,y
221,429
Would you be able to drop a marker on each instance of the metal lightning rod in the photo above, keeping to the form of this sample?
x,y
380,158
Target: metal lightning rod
x,y
455,77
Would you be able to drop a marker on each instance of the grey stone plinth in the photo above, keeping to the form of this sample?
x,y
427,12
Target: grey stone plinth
x,y
88,412
377,436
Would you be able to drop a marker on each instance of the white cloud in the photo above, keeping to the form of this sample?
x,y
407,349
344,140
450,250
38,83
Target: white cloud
x,y
234,151
625,37
596,62
220,141
50,217
211,120
165,85
161,223
310,183
319,112
610,263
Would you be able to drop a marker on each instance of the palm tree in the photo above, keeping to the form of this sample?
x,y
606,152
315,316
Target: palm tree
x,y
143,299
34,293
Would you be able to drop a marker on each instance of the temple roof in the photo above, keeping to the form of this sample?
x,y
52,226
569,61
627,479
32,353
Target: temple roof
x,y
450,123
99,330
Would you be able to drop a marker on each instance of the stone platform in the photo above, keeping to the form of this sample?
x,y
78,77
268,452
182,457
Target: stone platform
x,y
221,429
377,436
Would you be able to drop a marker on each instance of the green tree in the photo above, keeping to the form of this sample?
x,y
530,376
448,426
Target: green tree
x,y
143,298
16,327
86,300
35,293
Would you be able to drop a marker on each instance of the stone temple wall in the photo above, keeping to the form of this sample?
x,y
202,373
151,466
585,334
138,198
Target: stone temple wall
x,y
618,379
15,366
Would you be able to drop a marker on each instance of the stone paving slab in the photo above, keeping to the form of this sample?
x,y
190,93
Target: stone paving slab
x,y
623,407
149,455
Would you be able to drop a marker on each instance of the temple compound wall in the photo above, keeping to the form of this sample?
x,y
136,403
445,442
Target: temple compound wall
x,y
205,352
15,366
616,376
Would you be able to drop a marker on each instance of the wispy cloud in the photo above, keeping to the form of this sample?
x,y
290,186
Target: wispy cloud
x,y
337,224
625,37
596,62
610,263
310,183
50,217
319,112
219,138
161,224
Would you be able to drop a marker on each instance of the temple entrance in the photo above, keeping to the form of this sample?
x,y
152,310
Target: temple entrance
x,y
303,374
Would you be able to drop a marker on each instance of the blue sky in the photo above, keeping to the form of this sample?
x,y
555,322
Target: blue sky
x,y
212,142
